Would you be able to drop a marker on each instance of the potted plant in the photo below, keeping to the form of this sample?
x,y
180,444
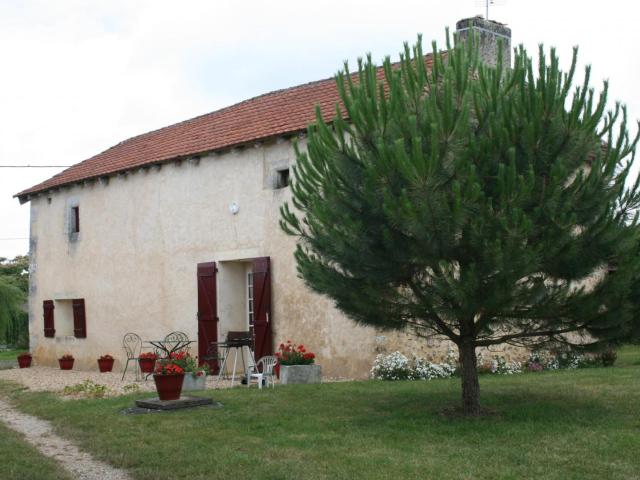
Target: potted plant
x,y
195,377
168,378
297,365
66,361
24,360
147,361
105,363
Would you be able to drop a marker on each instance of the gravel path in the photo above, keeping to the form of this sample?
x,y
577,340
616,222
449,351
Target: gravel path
x,y
40,434
49,379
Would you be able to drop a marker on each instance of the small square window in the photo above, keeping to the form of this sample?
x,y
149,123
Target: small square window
x,y
282,178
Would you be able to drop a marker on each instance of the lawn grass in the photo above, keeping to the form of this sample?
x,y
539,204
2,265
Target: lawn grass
x,y
10,354
553,425
22,461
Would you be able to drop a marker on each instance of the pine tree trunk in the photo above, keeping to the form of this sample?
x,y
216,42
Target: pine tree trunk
x,y
469,373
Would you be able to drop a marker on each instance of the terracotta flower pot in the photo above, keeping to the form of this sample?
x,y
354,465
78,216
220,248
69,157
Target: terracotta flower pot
x,y
169,386
105,364
24,361
147,364
65,363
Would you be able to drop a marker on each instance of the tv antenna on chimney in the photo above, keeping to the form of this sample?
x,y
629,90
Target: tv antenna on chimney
x,y
486,4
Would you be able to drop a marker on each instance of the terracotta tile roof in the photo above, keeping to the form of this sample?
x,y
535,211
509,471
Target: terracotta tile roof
x,y
277,113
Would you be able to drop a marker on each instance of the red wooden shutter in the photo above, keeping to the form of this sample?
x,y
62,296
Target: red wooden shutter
x,y
79,318
49,330
207,311
262,307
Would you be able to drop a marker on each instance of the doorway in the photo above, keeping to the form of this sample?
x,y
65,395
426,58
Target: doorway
x,y
235,296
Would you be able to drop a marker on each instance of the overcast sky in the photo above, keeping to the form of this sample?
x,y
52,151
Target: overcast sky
x,y
79,76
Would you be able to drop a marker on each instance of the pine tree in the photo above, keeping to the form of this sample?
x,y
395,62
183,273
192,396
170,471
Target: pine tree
x,y
481,204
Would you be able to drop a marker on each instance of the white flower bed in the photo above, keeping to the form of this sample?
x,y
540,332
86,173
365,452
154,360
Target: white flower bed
x,y
391,367
501,367
397,366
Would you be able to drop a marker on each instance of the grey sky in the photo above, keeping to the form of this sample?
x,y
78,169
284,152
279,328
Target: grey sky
x,y
79,76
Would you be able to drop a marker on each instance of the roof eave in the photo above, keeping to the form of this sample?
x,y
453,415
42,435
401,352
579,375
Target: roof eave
x,y
26,195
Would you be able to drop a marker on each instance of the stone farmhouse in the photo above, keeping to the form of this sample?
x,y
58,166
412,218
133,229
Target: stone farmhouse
x,y
177,230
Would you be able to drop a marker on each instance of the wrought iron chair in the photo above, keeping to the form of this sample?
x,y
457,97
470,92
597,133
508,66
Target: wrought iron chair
x,y
214,358
132,344
175,338
267,363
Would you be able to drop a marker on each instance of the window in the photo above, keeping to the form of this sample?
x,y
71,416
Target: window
x,y
71,319
75,219
250,298
282,178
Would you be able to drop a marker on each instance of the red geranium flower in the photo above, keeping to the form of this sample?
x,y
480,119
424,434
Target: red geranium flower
x,y
292,354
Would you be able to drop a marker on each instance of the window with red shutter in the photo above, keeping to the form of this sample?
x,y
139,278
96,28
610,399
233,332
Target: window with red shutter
x,y
49,330
79,318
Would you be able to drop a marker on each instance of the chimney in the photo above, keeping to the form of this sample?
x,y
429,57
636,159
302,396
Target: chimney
x,y
487,33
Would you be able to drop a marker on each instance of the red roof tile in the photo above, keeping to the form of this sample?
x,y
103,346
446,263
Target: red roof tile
x,y
277,113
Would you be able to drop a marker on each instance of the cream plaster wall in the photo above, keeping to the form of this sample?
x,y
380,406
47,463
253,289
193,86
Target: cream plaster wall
x,y
142,236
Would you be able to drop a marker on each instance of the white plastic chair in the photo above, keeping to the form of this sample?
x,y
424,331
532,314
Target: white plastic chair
x,y
268,363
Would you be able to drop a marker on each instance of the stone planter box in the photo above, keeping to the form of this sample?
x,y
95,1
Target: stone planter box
x,y
296,374
194,383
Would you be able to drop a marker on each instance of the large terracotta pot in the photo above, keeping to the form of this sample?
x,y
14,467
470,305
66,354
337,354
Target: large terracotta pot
x,y
105,364
169,386
147,364
24,361
65,364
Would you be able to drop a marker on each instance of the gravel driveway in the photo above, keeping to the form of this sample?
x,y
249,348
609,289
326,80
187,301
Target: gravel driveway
x,y
49,379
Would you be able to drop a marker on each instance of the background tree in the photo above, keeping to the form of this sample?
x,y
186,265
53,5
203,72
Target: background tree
x,y
469,202
14,286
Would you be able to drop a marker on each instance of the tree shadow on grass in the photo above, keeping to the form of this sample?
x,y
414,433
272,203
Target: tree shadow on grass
x,y
424,407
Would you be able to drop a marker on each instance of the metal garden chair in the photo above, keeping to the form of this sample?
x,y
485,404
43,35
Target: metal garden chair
x,y
132,344
174,339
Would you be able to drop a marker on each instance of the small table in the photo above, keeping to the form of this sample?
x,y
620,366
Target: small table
x,y
170,346
165,345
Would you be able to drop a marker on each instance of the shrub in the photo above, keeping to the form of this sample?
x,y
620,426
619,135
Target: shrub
x,y
424,370
500,366
131,388
88,388
391,367
397,366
